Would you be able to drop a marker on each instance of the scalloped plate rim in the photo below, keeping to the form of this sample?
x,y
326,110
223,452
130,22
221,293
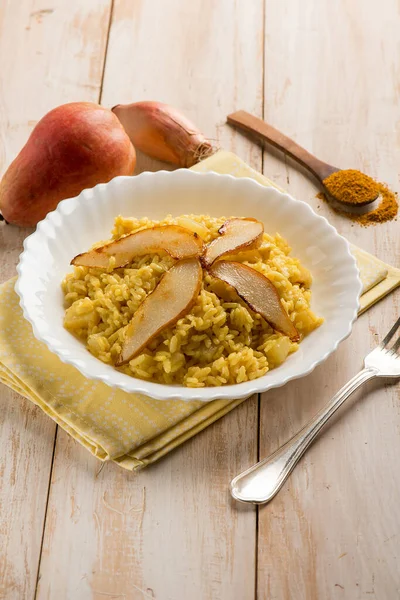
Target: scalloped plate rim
x,y
160,391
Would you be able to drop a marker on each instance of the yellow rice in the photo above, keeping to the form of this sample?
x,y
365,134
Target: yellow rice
x,y
221,341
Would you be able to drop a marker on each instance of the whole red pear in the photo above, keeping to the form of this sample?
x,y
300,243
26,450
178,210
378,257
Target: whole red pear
x,y
73,147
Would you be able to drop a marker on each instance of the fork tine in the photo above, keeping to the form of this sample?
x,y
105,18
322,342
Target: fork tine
x,y
396,346
391,333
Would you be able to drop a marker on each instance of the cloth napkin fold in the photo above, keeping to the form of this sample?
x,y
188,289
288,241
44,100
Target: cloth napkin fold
x,y
130,429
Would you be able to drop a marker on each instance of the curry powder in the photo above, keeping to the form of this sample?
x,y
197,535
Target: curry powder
x,y
353,187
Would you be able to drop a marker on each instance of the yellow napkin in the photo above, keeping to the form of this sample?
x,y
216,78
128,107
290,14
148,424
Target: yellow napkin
x,y
130,429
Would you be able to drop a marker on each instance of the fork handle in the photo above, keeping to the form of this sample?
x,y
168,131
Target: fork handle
x,y
262,481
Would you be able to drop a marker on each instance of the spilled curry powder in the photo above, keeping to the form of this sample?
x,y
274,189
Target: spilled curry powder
x,y
353,187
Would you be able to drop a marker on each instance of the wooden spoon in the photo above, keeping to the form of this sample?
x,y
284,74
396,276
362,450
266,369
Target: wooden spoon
x,y
319,169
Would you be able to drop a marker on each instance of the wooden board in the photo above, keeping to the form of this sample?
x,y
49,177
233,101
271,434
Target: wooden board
x,y
49,55
170,531
333,530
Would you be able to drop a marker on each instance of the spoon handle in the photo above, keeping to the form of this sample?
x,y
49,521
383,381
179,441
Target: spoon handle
x,y
266,133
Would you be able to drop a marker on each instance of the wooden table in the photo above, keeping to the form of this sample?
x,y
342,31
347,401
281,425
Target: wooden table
x,y
326,73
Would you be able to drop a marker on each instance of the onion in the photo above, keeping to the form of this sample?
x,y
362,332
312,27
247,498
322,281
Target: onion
x,y
162,132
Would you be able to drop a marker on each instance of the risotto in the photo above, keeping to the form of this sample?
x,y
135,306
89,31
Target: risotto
x,y
219,341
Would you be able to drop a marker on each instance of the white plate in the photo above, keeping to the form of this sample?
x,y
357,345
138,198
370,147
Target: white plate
x,y
79,222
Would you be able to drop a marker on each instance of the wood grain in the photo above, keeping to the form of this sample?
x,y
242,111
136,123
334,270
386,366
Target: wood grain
x,y
333,531
169,532
49,55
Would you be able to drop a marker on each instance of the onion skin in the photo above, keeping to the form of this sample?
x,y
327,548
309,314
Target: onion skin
x,y
163,133
73,147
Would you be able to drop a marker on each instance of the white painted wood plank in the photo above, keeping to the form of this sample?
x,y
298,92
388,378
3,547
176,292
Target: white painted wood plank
x,y
189,541
49,54
333,531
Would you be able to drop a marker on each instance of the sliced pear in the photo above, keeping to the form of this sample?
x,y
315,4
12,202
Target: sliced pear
x,y
174,296
236,234
258,293
175,240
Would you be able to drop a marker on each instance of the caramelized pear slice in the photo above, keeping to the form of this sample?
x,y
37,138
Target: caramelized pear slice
x,y
177,241
236,234
173,298
258,293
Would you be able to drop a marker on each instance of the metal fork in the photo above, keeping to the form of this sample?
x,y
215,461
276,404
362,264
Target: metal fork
x,y
261,482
